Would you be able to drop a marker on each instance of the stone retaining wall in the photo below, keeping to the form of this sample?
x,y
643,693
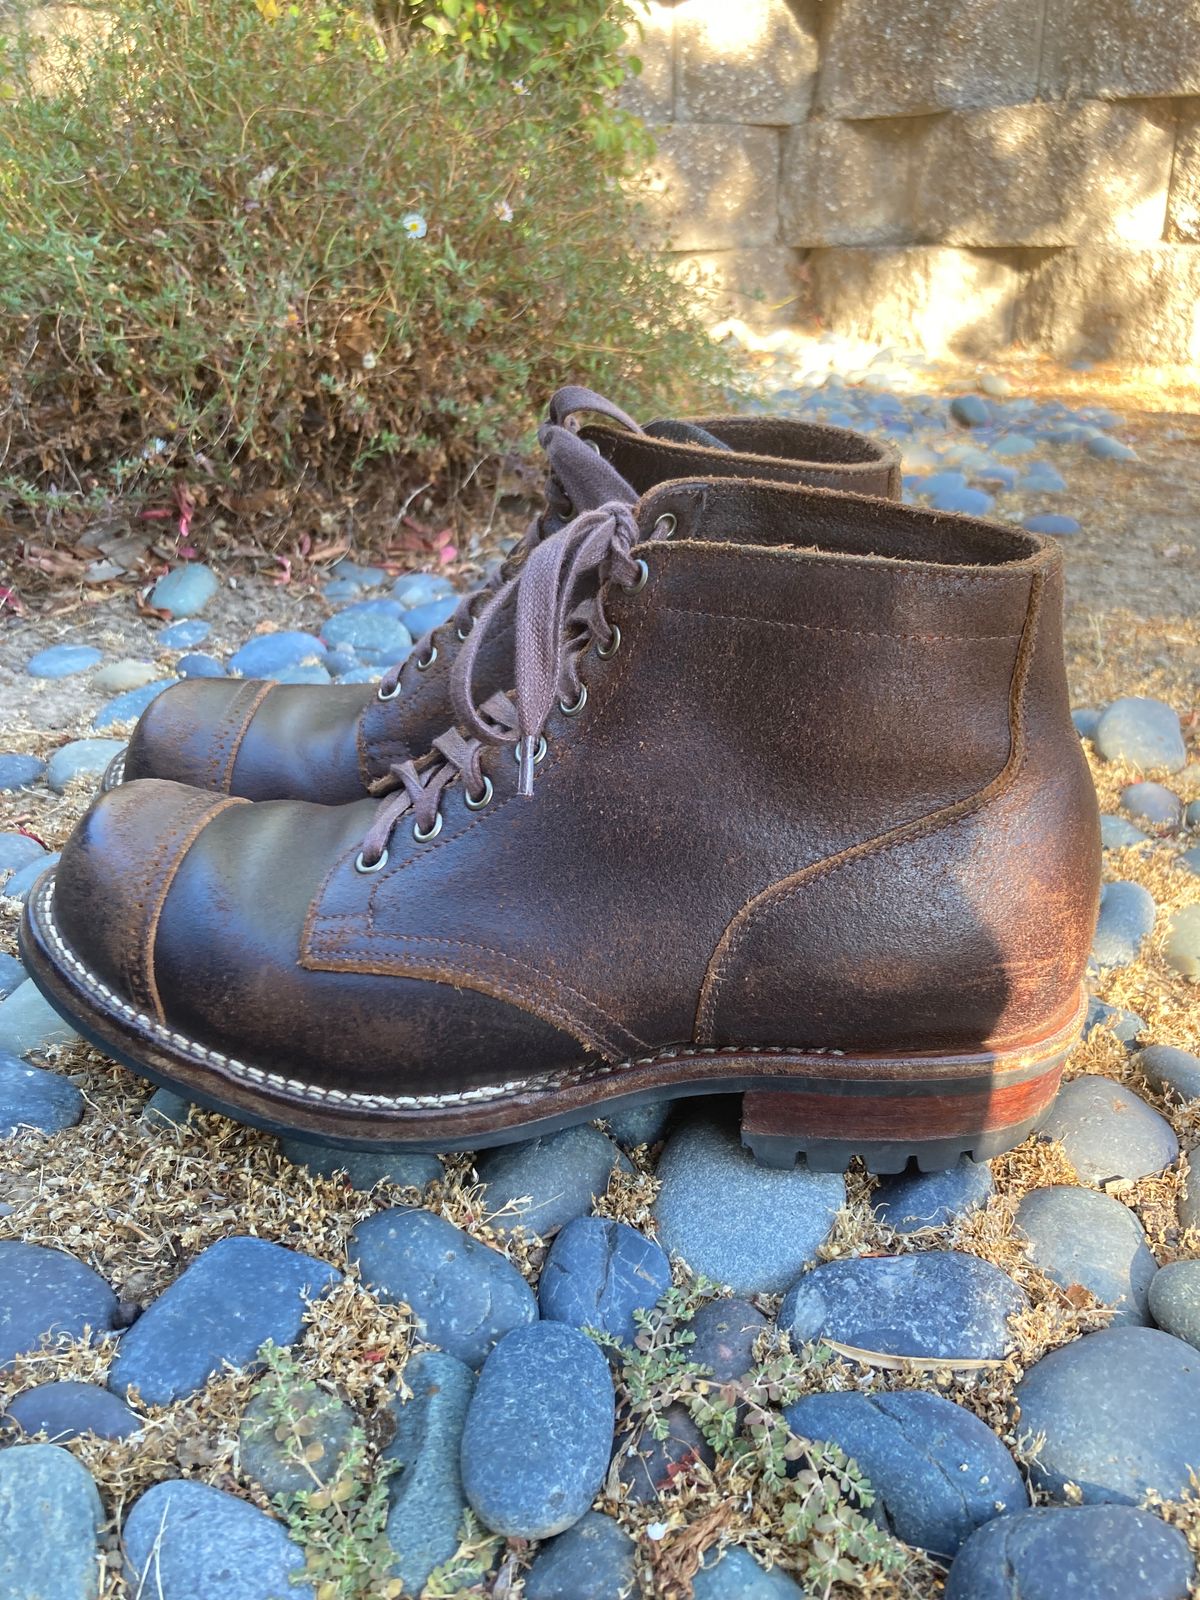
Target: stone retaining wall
x,y
966,172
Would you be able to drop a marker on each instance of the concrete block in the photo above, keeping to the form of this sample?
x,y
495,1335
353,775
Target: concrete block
x,y
850,182
1120,49
1047,174
651,95
948,301
1183,204
763,287
911,56
1115,303
753,62
714,186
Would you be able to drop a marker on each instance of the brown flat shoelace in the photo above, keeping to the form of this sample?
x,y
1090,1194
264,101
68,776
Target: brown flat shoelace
x,y
559,613
578,479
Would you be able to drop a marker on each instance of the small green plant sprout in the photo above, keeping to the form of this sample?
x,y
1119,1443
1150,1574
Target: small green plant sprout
x,y
477,1553
655,1370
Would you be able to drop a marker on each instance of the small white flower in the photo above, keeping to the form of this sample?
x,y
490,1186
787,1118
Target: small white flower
x,y
414,225
657,1531
503,210
369,361
519,86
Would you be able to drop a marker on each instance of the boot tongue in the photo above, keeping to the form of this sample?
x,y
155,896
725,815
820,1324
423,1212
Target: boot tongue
x,y
676,432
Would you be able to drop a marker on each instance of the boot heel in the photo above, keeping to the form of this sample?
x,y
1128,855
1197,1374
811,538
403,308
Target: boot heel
x,y
891,1123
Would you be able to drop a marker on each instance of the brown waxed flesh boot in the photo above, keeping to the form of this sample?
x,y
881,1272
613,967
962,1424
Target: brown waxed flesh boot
x,y
336,743
786,802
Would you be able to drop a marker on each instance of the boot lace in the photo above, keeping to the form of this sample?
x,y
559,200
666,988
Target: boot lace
x,y
559,612
578,479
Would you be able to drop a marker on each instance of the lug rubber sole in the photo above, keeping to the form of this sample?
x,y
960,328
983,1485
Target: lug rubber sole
x,y
114,772
825,1106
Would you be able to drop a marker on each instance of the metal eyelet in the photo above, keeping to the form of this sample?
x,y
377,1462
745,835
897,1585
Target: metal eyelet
x,y
463,637
666,525
574,709
370,866
388,694
639,583
424,838
424,666
539,753
478,804
607,655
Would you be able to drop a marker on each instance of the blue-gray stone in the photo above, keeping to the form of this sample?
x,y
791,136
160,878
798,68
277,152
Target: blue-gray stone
x,y
62,661
1088,1552
937,1470
68,1409
1182,949
1175,1300
343,659
199,665
1153,803
50,1521
967,502
463,1294
1191,814
363,1169
941,482
185,591
425,1498
594,1560
47,1293
32,1097
1108,1132
752,1228
419,588
1126,1026
317,1418
932,1199
1189,1202
1144,732
733,1574
183,635
1086,720
1014,444
165,1107
1167,1067
360,675
1109,449
1078,1236
18,850
1053,522
12,974
647,1464
267,654
644,1124
352,574
725,1333
18,771
29,1023
118,676
82,758
1042,478
234,1297
1126,920
423,619
307,672
1191,859
940,1304
970,410
1116,833
368,630
129,706
539,1430
542,1183
598,1273
18,886
184,1539
1120,1411
997,476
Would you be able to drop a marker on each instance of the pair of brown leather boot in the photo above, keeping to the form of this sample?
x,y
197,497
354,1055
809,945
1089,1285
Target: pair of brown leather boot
x,y
740,777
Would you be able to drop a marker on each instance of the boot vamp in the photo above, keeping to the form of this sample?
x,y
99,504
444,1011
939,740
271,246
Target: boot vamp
x,y
261,740
191,907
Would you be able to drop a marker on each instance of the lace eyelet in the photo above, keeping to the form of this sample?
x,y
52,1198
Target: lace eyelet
x,y
666,525
424,666
539,753
388,694
424,838
639,583
574,709
370,866
607,655
483,799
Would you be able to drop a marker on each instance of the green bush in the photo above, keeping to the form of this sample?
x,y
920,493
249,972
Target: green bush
x,y
265,246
